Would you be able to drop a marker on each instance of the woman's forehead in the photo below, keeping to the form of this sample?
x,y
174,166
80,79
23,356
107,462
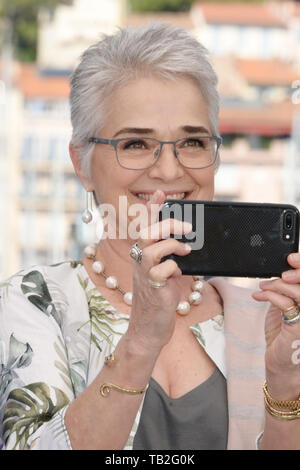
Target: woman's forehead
x,y
151,102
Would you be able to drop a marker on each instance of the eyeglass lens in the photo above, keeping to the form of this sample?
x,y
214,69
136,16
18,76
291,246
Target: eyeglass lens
x,y
141,153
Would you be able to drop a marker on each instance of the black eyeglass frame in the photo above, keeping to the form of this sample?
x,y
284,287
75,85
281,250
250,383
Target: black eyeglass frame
x,y
115,142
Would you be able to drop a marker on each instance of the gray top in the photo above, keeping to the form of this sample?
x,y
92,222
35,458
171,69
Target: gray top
x,y
198,420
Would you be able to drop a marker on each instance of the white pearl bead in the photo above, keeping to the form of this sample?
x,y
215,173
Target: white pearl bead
x,y
90,251
183,307
111,282
86,216
198,286
195,298
98,267
127,297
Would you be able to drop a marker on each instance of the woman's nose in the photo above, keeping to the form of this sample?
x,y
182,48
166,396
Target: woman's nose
x,y
167,166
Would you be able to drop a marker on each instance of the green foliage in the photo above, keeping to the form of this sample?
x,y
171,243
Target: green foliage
x,y
171,5
15,8
160,5
20,16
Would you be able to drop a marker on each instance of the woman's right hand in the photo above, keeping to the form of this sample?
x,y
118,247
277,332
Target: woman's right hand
x,y
153,313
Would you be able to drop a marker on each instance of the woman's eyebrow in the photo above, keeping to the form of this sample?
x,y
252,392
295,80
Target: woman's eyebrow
x,y
134,130
195,129
145,130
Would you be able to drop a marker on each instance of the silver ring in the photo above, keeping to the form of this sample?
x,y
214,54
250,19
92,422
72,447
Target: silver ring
x,y
291,321
156,284
136,253
291,318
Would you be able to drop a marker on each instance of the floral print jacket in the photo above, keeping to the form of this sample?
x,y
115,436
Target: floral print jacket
x,y
55,331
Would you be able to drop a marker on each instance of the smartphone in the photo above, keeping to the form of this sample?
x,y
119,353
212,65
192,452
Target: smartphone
x,y
237,239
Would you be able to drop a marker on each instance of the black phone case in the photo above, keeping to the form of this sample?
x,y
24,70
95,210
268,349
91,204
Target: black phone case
x,y
240,239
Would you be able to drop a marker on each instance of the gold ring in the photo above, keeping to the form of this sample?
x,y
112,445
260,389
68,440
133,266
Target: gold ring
x,y
156,284
289,308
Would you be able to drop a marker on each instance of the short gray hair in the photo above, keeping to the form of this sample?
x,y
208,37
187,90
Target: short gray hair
x,y
154,49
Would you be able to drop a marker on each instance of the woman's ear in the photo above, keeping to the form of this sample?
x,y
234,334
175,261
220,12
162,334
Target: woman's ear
x,y
76,160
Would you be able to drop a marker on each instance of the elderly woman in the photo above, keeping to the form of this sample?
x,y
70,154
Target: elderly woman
x,y
121,350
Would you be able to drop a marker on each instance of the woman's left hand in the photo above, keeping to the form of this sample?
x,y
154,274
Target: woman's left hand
x,y
282,339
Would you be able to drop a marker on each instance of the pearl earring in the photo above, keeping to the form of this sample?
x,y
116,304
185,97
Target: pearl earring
x,y
87,215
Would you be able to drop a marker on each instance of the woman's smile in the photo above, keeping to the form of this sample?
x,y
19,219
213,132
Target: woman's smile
x,y
145,195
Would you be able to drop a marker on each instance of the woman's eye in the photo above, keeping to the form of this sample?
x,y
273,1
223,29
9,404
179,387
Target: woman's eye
x,y
194,143
134,144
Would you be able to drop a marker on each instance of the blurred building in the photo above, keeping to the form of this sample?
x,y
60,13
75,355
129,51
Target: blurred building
x,y
41,199
255,51
250,30
65,32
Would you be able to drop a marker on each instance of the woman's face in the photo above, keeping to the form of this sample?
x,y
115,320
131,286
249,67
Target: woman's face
x,y
159,108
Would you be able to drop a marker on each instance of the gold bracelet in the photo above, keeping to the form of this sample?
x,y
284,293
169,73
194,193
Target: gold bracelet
x,y
290,404
270,402
285,415
106,387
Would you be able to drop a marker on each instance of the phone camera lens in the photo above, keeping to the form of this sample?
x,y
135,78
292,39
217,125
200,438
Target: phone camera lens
x,y
288,221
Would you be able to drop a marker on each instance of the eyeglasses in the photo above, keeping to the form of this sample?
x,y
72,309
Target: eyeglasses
x,y
140,153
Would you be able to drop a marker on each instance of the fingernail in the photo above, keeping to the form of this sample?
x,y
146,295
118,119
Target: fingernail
x,y
187,247
288,274
264,283
294,256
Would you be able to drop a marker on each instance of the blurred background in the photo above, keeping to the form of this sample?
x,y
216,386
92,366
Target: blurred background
x,y
255,50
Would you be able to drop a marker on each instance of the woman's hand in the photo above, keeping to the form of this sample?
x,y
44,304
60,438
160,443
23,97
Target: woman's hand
x,y
153,313
282,340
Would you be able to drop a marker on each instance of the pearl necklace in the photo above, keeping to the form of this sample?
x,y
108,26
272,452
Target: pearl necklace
x,y
111,282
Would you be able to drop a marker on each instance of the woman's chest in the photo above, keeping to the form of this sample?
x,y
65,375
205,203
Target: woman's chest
x,y
182,364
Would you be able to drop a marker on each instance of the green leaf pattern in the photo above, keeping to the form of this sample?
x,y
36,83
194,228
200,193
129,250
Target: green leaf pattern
x,y
19,355
83,328
35,289
103,318
196,329
28,408
25,408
